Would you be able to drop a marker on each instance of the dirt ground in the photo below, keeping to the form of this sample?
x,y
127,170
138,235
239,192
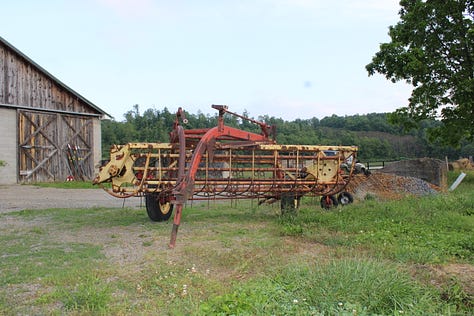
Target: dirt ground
x,y
21,197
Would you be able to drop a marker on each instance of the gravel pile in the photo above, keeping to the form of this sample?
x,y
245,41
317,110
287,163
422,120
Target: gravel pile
x,y
414,186
389,186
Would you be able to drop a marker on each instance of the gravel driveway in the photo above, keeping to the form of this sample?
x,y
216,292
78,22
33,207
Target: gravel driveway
x,y
21,197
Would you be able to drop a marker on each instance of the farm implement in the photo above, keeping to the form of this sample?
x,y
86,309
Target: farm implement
x,y
222,163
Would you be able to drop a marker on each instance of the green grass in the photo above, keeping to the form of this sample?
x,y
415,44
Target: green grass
x,y
68,185
368,258
351,286
435,229
431,229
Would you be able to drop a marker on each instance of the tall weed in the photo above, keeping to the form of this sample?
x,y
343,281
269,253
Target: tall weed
x,y
351,286
432,229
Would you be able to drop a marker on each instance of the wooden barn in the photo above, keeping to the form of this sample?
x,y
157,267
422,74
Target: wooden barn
x,y
48,132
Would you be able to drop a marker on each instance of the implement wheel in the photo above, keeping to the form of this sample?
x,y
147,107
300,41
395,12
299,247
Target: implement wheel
x,y
328,201
345,198
158,208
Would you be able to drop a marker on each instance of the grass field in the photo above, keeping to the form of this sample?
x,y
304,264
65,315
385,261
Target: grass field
x,y
408,257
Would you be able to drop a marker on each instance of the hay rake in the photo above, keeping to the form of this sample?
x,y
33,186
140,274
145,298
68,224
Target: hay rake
x,y
222,163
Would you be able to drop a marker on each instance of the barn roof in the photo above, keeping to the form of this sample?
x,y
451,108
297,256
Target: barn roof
x,y
53,78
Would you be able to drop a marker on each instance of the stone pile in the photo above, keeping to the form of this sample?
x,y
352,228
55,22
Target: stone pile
x,y
388,186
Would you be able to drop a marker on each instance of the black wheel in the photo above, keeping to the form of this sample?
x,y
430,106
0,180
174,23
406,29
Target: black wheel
x,y
345,198
158,208
328,201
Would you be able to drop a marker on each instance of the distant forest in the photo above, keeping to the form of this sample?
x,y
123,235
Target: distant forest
x,y
376,137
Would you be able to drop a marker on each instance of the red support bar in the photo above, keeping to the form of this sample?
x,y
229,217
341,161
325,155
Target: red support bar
x,y
185,188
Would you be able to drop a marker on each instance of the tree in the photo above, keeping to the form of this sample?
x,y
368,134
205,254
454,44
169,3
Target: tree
x,y
432,48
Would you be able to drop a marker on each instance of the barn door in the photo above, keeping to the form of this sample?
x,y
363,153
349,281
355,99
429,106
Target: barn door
x,y
76,146
53,146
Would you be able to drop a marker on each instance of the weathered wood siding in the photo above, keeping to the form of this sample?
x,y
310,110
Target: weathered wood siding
x,y
55,131
54,146
23,84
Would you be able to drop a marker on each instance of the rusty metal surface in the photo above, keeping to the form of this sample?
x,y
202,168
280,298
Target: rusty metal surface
x,y
259,171
225,163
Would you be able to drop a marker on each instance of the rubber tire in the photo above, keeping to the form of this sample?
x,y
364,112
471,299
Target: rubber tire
x,y
328,204
345,198
156,210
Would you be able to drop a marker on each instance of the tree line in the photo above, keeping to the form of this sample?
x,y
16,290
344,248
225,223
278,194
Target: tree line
x,y
377,138
431,48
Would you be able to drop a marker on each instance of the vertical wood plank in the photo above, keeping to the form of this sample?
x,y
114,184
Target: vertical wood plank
x,y
3,74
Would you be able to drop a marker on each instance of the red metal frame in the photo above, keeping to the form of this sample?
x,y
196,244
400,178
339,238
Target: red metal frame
x,y
185,186
238,165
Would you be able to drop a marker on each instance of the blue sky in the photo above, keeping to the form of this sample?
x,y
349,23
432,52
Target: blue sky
x,y
282,58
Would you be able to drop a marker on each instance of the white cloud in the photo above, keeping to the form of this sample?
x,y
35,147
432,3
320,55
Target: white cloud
x,y
345,5
331,10
322,11
130,8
